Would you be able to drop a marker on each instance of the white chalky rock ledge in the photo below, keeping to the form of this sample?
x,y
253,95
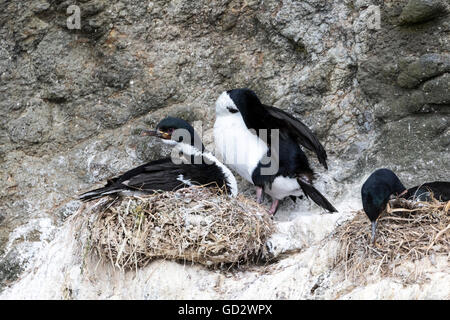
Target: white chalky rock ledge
x,y
305,271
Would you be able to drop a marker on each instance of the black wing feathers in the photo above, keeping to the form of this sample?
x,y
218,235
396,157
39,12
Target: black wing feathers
x,y
163,175
299,132
290,128
440,190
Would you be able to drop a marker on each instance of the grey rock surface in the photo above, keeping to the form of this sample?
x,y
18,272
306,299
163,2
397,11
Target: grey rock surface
x,y
72,99
417,11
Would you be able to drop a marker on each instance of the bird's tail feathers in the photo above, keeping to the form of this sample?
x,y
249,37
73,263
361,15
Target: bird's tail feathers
x,y
316,196
97,193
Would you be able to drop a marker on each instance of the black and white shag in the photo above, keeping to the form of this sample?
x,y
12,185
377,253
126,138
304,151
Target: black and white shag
x,y
196,166
240,117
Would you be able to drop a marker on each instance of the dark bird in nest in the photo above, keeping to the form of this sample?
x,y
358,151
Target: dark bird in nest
x,y
375,194
194,166
262,144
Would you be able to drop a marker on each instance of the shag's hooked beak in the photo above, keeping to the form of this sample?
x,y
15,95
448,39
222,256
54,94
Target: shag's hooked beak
x,y
156,133
148,133
374,232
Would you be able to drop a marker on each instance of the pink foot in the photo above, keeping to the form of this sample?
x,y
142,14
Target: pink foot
x,y
259,194
273,209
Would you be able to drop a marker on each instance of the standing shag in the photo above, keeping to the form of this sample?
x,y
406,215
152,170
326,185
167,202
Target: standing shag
x,y
196,167
375,194
240,123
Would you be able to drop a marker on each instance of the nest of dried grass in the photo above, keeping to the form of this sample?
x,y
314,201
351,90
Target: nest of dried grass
x,y
408,230
201,225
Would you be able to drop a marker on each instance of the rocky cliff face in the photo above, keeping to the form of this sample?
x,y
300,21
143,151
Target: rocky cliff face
x,y
370,78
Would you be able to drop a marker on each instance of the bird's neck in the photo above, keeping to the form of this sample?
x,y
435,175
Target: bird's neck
x,y
189,150
196,156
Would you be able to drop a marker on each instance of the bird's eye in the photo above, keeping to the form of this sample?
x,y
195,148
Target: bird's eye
x,y
232,110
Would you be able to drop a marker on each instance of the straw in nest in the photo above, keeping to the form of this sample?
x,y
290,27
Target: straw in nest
x,y
408,231
202,225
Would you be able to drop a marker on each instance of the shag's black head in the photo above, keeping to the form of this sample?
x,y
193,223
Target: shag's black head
x,y
171,124
246,100
176,130
377,189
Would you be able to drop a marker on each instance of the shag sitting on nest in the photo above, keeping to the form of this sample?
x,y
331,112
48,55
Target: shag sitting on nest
x,y
375,194
195,167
